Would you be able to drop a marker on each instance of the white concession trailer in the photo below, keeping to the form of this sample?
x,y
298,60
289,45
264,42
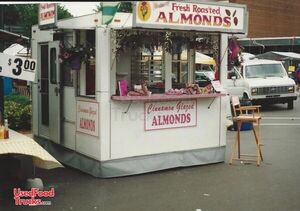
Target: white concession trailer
x,y
79,115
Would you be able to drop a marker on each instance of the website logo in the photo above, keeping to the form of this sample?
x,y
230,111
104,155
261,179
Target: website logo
x,y
33,197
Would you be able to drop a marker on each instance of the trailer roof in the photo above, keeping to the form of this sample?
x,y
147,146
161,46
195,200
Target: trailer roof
x,y
92,21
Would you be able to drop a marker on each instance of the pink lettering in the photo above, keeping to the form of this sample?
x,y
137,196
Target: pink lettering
x,y
87,124
162,17
171,119
227,22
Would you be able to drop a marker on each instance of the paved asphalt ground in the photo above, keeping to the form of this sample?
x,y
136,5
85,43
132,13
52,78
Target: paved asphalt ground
x,y
274,186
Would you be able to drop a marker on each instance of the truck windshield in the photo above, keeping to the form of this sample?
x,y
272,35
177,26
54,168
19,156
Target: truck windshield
x,y
264,70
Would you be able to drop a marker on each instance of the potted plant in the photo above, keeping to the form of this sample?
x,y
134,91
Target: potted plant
x,y
74,56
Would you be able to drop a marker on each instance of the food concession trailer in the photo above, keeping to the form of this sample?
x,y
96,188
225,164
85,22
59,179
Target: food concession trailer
x,y
81,114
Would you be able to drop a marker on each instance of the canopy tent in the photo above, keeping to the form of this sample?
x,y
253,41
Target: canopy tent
x,y
16,50
280,56
200,58
204,59
247,56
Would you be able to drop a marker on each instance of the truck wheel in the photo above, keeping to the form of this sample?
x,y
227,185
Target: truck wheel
x,y
245,96
291,104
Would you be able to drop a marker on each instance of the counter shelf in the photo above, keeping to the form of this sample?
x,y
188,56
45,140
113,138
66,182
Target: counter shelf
x,y
164,97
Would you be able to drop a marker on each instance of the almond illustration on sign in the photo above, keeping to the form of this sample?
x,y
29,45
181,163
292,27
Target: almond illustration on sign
x,y
144,10
235,19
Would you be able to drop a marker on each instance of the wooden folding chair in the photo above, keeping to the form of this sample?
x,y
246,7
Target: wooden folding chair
x,y
243,114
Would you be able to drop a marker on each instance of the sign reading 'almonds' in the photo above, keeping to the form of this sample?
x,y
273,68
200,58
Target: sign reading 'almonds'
x,y
193,16
47,15
87,117
172,114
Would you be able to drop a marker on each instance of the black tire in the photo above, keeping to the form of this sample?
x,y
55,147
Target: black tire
x,y
245,101
290,104
245,96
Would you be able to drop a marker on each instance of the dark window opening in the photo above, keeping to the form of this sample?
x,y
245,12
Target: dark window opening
x,y
44,85
53,69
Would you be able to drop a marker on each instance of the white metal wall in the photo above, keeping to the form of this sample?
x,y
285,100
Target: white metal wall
x,y
128,137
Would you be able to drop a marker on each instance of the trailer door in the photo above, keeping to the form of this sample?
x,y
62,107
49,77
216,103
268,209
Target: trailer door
x,y
54,93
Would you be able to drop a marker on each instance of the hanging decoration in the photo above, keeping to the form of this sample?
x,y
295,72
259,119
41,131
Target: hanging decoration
x,y
172,42
234,51
74,56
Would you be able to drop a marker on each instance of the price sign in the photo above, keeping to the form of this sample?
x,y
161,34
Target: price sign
x,y
17,67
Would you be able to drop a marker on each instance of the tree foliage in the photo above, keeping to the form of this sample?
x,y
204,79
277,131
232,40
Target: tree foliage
x,y
63,12
124,7
26,15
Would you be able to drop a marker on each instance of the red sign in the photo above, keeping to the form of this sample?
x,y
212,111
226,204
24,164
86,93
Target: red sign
x,y
230,18
47,15
172,114
87,117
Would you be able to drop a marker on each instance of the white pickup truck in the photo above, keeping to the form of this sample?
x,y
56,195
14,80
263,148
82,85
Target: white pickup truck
x,y
262,82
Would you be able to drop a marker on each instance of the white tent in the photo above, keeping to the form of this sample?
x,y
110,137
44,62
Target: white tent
x,y
280,56
200,58
16,50
204,59
247,56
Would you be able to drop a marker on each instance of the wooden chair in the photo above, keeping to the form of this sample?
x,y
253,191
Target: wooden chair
x,y
243,114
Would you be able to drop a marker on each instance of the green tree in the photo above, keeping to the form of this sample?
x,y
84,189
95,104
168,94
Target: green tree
x,y
124,7
27,15
10,17
63,12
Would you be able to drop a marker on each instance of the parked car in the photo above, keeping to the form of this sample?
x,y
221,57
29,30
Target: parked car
x,y
262,82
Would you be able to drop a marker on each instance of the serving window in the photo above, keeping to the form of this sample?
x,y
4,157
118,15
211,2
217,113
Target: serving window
x,y
77,55
85,86
180,67
163,59
148,67
67,40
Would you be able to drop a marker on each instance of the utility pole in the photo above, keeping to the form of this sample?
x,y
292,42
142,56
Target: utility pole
x,y
1,78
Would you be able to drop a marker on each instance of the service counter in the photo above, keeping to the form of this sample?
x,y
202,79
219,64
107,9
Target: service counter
x,y
188,125
164,97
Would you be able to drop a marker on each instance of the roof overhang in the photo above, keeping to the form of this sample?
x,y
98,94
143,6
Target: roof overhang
x,y
280,56
270,41
7,36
